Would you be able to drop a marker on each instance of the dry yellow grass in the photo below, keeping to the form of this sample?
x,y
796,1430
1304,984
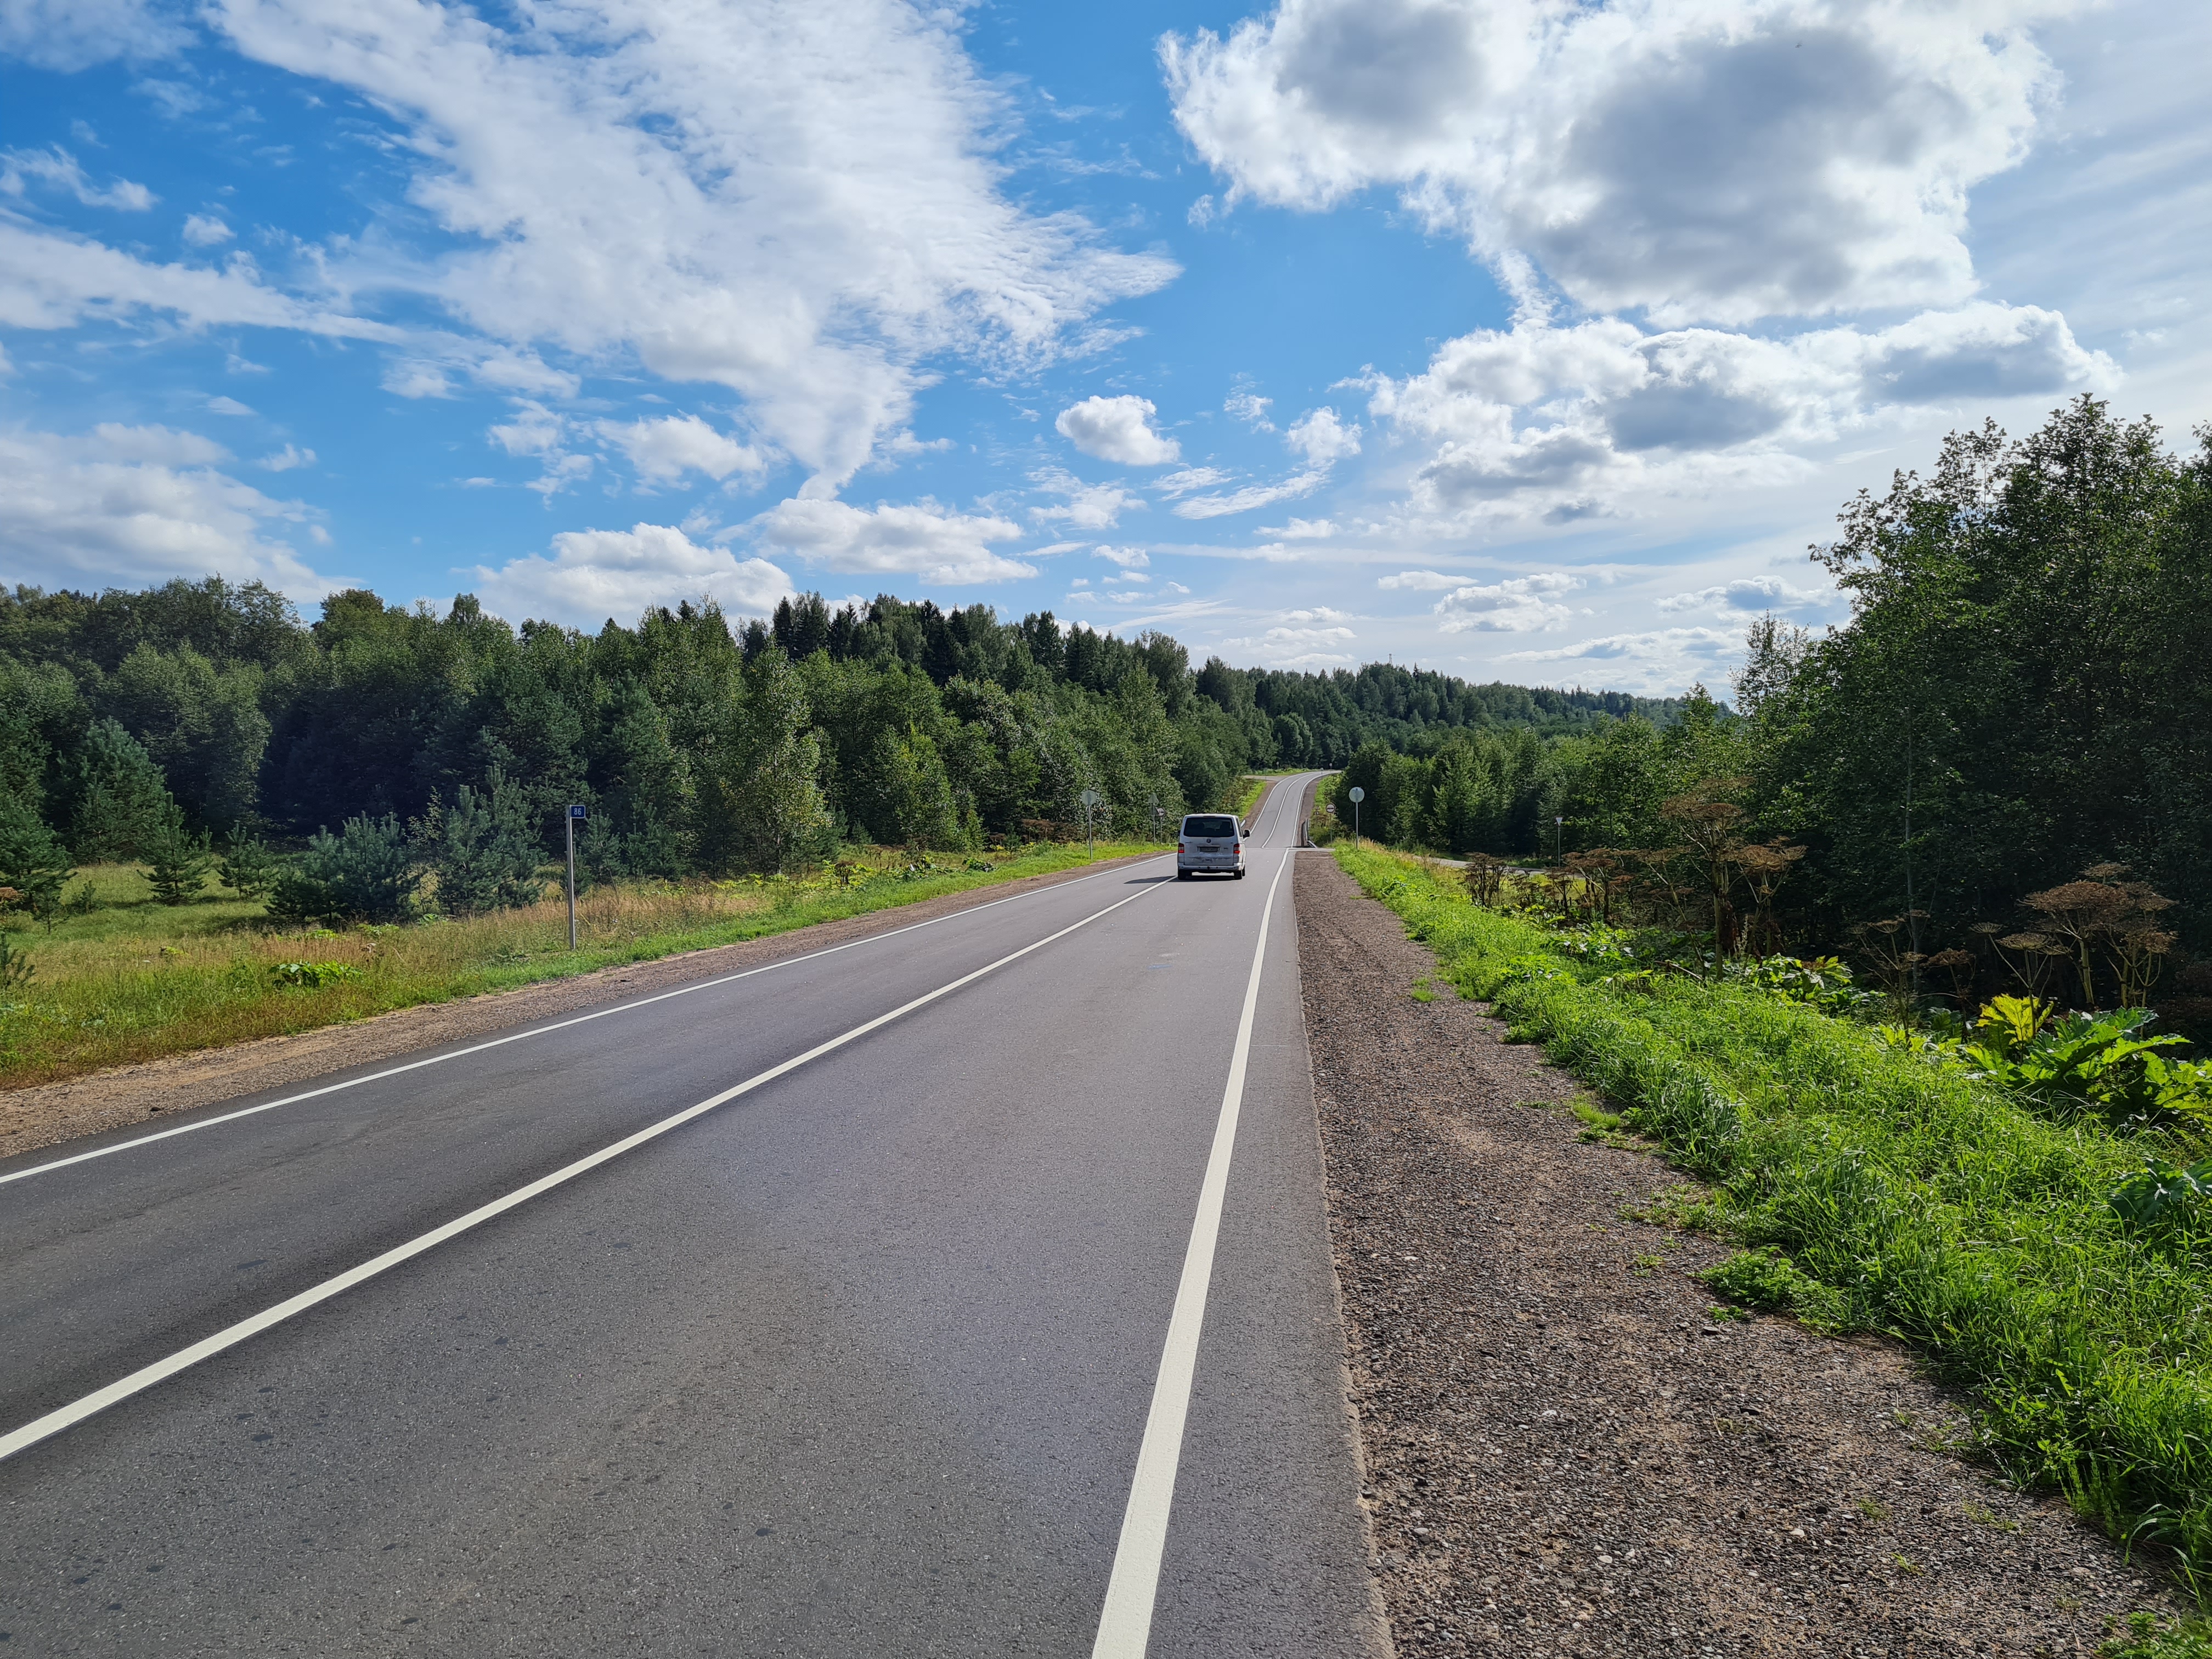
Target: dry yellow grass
x,y
135,980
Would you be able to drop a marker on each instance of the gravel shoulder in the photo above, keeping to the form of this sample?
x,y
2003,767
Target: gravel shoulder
x,y
54,1112
1566,1452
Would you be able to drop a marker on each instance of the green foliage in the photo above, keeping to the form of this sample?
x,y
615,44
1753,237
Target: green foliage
x,y
2024,658
312,975
248,867
1920,1200
33,864
2161,1199
202,726
119,798
482,850
1764,1277
365,872
2152,1636
177,858
16,965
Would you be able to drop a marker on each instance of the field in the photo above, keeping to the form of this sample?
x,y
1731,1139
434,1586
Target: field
x,y
133,980
1875,1191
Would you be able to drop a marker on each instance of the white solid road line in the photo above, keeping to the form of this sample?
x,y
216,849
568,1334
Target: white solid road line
x,y
101,1399
534,1031
1125,1623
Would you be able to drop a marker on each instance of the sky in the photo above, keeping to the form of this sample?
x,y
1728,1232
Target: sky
x,y
1532,340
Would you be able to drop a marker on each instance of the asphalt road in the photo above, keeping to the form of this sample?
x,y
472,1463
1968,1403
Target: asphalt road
x,y
860,1361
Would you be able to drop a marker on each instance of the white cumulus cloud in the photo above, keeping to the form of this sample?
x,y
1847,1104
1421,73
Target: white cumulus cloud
x,y
133,505
662,450
1117,430
594,575
1701,162
1322,438
1519,605
922,539
204,230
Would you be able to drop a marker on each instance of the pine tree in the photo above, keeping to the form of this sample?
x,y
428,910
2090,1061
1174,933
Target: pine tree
x,y
248,868
482,850
177,858
119,795
32,865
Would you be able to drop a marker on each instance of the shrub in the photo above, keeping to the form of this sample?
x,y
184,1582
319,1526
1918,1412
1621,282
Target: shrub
x,y
482,850
177,858
248,867
365,872
312,975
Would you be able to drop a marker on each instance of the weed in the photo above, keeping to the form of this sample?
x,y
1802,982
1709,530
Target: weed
x,y
2152,1635
1982,1515
312,975
1877,1191
1645,1266
1872,1508
1904,1565
1424,991
1597,1117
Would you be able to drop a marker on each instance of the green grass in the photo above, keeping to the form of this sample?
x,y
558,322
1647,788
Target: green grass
x,y
1875,1192
134,979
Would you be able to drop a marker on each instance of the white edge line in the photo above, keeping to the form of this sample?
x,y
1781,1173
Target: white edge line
x,y
138,1381
1124,1622
535,1030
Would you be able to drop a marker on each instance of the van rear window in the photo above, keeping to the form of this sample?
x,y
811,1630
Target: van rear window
x,y
1224,827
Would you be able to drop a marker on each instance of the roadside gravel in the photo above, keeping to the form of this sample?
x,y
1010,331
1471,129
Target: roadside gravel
x,y
54,1112
1566,1452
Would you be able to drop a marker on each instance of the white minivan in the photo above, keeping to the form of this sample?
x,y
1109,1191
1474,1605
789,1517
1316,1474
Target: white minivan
x,y
1211,841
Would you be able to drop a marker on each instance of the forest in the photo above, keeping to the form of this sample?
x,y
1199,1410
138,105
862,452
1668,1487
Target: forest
x,y
2018,703
333,763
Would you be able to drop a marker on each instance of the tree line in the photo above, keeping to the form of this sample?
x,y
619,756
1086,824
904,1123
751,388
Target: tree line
x,y
2020,702
198,719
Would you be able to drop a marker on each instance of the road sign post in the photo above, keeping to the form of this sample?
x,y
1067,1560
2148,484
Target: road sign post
x,y
1090,798
575,816
1358,795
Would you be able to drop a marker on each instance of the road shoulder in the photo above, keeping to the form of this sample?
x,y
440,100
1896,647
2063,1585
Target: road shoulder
x,y
1565,1451
51,1112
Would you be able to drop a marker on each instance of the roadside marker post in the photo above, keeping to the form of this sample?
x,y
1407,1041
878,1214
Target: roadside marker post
x,y
575,815
1358,796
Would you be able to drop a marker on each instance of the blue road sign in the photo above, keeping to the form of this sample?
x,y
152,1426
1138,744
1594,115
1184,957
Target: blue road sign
x,y
576,812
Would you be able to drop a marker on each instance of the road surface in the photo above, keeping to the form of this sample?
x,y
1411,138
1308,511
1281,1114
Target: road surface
x,y
924,1343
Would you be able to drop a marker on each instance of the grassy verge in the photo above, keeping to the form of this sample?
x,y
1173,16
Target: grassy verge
x,y
1875,1192
1251,790
135,979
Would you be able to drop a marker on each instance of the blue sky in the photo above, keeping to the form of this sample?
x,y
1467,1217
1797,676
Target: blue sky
x,y
1523,338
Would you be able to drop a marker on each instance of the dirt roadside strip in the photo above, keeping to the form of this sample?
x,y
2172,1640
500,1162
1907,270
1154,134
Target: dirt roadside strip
x,y
54,1112
1565,1453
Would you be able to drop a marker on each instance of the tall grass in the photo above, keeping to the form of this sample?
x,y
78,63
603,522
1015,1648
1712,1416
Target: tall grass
x,y
1879,1193
134,979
